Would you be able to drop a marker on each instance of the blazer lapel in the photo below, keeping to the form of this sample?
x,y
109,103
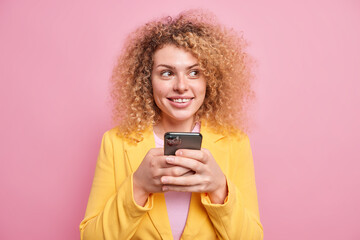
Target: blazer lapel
x,y
135,154
159,216
219,150
136,151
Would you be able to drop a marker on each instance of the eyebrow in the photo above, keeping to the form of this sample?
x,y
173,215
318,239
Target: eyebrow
x,y
172,67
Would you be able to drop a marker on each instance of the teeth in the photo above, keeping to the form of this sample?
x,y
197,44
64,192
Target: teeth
x,y
181,100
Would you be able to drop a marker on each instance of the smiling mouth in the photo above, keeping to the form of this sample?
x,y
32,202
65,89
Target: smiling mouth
x,y
180,100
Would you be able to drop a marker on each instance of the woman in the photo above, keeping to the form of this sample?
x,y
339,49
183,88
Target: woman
x,y
180,75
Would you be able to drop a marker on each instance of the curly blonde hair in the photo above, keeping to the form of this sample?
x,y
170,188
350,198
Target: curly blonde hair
x,y
221,55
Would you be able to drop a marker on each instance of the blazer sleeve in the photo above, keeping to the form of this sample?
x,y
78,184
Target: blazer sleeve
x,y
111,213
238,217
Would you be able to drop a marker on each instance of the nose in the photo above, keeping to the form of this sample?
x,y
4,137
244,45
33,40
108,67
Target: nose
x,y
181,84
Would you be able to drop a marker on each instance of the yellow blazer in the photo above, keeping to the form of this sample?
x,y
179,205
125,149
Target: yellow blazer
x,y
113,214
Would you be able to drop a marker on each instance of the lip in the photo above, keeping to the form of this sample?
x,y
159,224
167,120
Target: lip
x,y
180,104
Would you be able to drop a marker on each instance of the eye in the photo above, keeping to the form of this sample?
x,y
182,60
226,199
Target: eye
x,y
166,73
194,73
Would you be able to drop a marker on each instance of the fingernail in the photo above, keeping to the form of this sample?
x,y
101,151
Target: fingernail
x,y
164,180
169,159
179,152
165,189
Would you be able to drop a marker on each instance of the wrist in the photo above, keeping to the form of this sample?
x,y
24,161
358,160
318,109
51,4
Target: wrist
x,y
218,196
139,193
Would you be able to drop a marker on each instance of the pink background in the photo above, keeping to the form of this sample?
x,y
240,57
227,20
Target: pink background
x,y
55,62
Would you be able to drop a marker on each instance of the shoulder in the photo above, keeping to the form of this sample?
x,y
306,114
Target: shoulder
x,y
114,135
111,135
235,145
236,136
113,132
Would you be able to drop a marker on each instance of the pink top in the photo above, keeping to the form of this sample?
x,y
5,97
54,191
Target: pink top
x,y
177,203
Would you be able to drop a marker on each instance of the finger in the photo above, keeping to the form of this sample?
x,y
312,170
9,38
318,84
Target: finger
x,y
159,161
189,163
157,151
160,167
171,161
189,180
168,161
175,171
176,188
165,161
194,154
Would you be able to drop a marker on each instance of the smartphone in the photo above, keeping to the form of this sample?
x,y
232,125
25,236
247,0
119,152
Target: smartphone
x,y
181,140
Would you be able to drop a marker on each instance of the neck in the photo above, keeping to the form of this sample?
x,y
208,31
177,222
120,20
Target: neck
x,y
173,126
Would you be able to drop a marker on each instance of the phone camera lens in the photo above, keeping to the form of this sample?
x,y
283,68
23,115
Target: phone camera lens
x,y
173,141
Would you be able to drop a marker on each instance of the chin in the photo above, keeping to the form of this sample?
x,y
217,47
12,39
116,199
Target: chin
x,y
182,117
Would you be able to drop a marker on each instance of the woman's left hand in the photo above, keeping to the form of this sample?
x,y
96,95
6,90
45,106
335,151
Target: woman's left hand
x,y
207,178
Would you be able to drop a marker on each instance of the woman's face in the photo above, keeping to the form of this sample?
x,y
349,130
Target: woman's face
x,y
178,84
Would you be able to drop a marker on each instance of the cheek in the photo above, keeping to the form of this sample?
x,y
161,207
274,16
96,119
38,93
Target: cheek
x,y
203,88
156,89
160,89
159,95
203,93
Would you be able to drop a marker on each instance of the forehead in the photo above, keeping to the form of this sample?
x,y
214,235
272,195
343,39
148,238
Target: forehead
x,y
170,54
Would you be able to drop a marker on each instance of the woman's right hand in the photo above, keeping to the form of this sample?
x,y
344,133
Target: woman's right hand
x,y
146,178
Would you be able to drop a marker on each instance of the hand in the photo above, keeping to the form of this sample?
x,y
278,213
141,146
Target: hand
x,y
207,176
146,178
